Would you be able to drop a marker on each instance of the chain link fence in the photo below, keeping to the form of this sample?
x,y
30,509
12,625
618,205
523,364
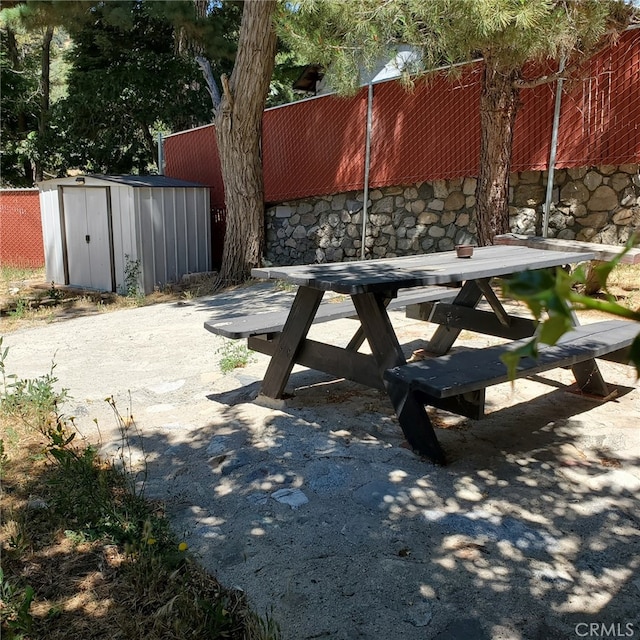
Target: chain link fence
x,y
21,242
600,115
318,146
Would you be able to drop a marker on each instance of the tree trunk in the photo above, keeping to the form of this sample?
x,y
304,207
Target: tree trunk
x,y
239,128
16,65
45,100
499,103
150,143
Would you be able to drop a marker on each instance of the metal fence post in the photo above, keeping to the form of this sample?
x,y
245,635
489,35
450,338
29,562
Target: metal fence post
x,y
160,154
552,153
367,164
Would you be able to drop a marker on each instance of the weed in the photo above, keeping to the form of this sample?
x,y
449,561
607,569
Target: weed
x,y
22,306
33,401
128,429
283,285
53,293
234,355
14,609
132,270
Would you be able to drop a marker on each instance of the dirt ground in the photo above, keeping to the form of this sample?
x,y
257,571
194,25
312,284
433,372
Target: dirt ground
x,y
315,507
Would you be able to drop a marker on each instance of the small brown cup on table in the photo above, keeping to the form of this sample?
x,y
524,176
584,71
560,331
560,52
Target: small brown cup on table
x,y
464,250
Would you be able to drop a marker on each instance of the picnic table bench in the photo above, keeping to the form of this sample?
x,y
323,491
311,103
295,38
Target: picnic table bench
x,y
272,322
458,380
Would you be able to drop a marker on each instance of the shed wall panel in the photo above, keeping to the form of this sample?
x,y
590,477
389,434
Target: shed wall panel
x,y
153,240
145,234
182,246
169,225
125,244
203,223
52,235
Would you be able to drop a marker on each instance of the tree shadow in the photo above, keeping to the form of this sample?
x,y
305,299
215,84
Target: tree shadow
x,y
316,509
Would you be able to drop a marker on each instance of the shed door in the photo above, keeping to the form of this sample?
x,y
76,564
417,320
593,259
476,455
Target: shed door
x,y
86,218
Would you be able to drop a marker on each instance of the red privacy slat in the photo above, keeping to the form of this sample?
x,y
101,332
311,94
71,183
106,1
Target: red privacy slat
x,y
600,117
429,133
193,155
314,147
21,228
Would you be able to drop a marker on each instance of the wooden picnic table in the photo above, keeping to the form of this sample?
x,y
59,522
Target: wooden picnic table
x,y
371,284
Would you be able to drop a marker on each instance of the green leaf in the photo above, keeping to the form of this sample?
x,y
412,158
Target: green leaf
x,y
553,328
511,359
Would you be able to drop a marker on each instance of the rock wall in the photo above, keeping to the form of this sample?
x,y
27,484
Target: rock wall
x,y
597,204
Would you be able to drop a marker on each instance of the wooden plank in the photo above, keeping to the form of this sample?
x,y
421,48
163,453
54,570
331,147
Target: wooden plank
x,y
456,316
378,331
466,371
494,302
413,417
350,365
469,404
414,421
587,373
589,378
243,326
601,251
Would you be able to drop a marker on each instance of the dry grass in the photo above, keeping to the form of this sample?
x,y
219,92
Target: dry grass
x,y
27,300
624,285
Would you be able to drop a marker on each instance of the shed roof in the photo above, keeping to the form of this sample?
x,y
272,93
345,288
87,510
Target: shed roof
x,y
129,181
149,181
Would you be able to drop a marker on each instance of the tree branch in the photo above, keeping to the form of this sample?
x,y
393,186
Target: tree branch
x,y
212,86
570,69
227,90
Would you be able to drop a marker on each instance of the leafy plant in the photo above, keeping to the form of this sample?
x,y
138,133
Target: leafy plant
x,y
22,307
234,355
31,400
132,269
53,293
283,285
555,295
15,607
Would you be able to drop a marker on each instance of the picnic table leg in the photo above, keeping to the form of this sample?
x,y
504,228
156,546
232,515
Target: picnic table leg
x,y
358,337
444,337
587,373
412,415
294,332
415,422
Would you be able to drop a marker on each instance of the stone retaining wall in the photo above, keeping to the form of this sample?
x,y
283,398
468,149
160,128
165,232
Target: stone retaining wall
x,y
598,204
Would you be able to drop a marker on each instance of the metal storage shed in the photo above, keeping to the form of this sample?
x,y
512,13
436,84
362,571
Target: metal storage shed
x,y
97,229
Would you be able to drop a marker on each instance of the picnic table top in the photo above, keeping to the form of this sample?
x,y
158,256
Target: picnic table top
x,y
381,275
601,251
